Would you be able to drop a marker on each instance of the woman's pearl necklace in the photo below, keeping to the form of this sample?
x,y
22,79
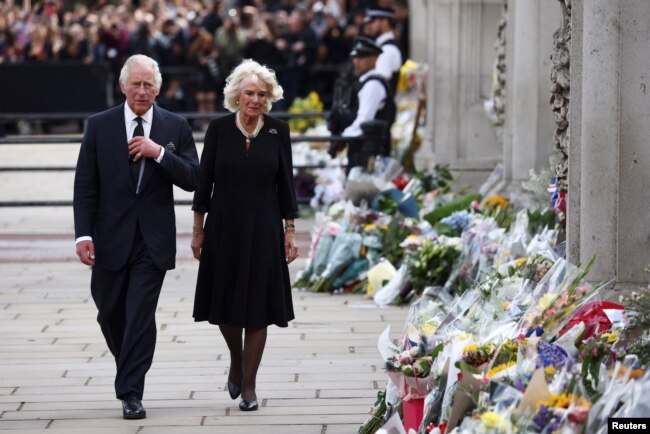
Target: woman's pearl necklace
x,y
246,134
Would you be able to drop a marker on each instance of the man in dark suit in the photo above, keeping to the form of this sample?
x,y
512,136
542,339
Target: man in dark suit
x,y
130,158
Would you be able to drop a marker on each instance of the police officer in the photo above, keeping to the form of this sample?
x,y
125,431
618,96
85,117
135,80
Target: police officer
x,y
381,25
375,99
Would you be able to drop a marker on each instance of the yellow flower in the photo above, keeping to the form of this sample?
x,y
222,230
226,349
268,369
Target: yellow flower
x,y
546,301
502,367
470,348
494,420
369,227
428,329
520,262
550,370
610,336
505,305
564,400
404,72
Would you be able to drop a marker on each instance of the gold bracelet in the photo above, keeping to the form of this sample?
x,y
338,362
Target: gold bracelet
x,y
196,232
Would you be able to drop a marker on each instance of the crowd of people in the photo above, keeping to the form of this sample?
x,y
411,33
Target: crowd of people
x,y
196,42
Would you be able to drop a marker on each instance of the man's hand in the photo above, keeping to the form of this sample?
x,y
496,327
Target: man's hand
x,y
140,147
86,252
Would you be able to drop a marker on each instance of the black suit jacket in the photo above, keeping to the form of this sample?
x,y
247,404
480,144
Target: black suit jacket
x,y
106,206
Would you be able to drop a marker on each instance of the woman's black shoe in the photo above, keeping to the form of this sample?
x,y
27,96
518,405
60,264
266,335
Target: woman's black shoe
x,y
233,389
248,405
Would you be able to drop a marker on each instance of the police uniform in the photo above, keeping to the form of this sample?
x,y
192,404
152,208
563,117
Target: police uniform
x,y
372,95
371,99
390,60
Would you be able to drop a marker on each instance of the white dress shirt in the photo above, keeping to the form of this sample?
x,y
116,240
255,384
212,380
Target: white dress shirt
x,y
390,59
372,97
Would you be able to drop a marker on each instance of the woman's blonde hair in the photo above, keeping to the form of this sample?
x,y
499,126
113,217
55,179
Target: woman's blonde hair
x,y
249,68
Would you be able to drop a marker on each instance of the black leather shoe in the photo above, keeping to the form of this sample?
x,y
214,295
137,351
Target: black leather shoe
x,y
132,408
248,405
233,389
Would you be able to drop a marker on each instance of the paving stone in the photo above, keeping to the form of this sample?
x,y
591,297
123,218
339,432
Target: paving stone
x,y
319,375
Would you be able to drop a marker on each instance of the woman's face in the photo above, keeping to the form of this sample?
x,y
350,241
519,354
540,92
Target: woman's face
x,y
252,99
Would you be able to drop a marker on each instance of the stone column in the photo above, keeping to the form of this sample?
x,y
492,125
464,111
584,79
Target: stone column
x,y
460,55
424,158
614,198
529,124
600,135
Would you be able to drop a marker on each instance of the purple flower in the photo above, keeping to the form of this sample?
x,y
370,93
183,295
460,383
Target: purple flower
x,y
546,421
551,355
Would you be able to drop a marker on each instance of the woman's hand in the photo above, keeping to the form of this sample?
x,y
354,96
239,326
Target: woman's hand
x,y
290,246
197,243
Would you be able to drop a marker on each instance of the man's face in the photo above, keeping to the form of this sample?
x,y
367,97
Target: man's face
x,y
140,88
363,64
373,28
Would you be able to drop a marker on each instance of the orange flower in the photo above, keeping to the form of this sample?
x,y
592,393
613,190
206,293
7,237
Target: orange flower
x,y
496,201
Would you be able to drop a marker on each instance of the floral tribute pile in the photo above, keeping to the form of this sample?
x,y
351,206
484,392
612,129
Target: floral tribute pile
x,y
503,335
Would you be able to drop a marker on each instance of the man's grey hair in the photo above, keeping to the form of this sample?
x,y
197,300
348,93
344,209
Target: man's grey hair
x,y
141,59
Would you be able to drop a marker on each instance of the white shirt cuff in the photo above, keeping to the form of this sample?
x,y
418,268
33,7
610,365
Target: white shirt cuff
x,y
162,152
84,238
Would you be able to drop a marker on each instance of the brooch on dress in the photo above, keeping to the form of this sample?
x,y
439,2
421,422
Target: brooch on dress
x,y
273,131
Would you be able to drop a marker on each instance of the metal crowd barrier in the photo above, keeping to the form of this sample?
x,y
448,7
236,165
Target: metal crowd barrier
x,y
76,139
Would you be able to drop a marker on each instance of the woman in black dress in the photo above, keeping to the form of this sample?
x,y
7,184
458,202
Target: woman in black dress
x,y
246,190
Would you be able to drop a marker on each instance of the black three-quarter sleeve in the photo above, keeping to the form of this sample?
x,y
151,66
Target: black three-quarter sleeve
x,y
201,202
285,184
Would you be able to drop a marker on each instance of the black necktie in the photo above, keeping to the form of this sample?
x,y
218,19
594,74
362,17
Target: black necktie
x,y
135,165
139,129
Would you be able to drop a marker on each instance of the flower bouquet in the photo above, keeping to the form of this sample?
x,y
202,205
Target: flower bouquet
x,y
310,103
432,263
344,250
557,301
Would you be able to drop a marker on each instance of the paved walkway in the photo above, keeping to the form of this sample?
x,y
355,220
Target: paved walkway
x,y
319,375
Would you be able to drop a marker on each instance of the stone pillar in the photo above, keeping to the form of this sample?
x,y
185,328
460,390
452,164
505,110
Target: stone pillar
x,y
460,55
575,135
529,127
424,158
614,197
418,21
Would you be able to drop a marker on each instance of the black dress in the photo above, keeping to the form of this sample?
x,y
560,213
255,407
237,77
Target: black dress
x,y
243,277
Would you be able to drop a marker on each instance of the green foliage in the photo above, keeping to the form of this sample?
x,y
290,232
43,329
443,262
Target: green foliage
x,y
377,419
431,264
441,179
458,204
540,219
386,203
396,233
